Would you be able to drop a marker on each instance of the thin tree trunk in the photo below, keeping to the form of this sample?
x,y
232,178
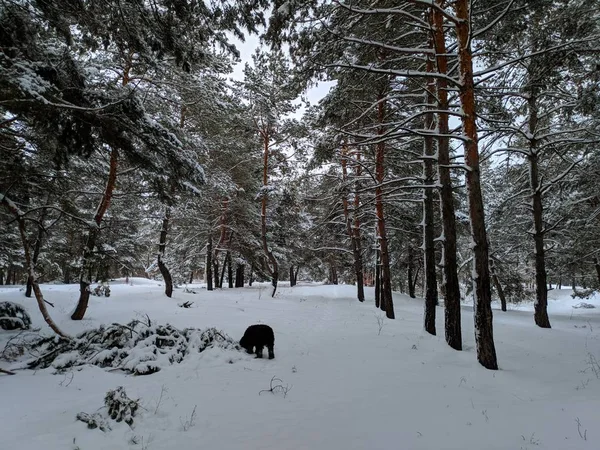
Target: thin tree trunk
x,y
597,266
1,277
498,286
450,285
222,277
209,275
411,267
162,244
29,267
431,292
273,266
191,277
251,277
378,303
356,253
356,228
386,278
92,237
482,307
37,248
541,285
292,278
229,271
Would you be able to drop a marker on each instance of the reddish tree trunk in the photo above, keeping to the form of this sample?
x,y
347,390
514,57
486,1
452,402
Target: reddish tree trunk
x,y
93,233
482,304
451,287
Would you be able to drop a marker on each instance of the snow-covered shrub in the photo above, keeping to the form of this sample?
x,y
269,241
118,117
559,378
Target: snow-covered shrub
x,y
102,290
584,294
96,420
14,317
120,407
138,348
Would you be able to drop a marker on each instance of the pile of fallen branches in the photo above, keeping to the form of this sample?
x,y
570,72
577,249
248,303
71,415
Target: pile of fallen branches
x,y
137,347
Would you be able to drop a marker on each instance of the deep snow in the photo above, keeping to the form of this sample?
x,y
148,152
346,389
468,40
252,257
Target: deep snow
x,y
352,385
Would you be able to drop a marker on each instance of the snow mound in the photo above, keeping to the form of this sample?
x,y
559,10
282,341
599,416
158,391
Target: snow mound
x,y
138,348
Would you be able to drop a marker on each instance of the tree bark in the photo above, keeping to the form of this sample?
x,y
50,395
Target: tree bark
x,y
162,244
541,284
93,233
450,285
222,277
410,274
229,271
209,275
498,286
482,307
352,232
386,278
272,261
29,267
292,278
597,266
431,292
37,248
239,276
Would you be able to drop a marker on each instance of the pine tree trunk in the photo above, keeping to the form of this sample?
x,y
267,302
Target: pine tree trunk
x,y
292,278
93,233
541,302
251,277
1,277
229,271
37,248
222,277
498,286
378,300
356,228
239,276
273,266
450,285
410,275
162,244
431,292
352,232
209,275
386,278
29,266
482,307
597,266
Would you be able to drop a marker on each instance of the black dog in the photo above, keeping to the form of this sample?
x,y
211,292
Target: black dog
x,y
259,336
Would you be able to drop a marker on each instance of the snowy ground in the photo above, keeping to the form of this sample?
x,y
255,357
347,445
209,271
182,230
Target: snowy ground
x,y
353,386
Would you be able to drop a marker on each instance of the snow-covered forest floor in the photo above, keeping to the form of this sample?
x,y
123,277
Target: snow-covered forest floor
x,y
351,383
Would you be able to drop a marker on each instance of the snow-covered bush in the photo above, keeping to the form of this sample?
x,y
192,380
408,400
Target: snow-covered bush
x,y
138,348
102,290
118,406
14,317
583,294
